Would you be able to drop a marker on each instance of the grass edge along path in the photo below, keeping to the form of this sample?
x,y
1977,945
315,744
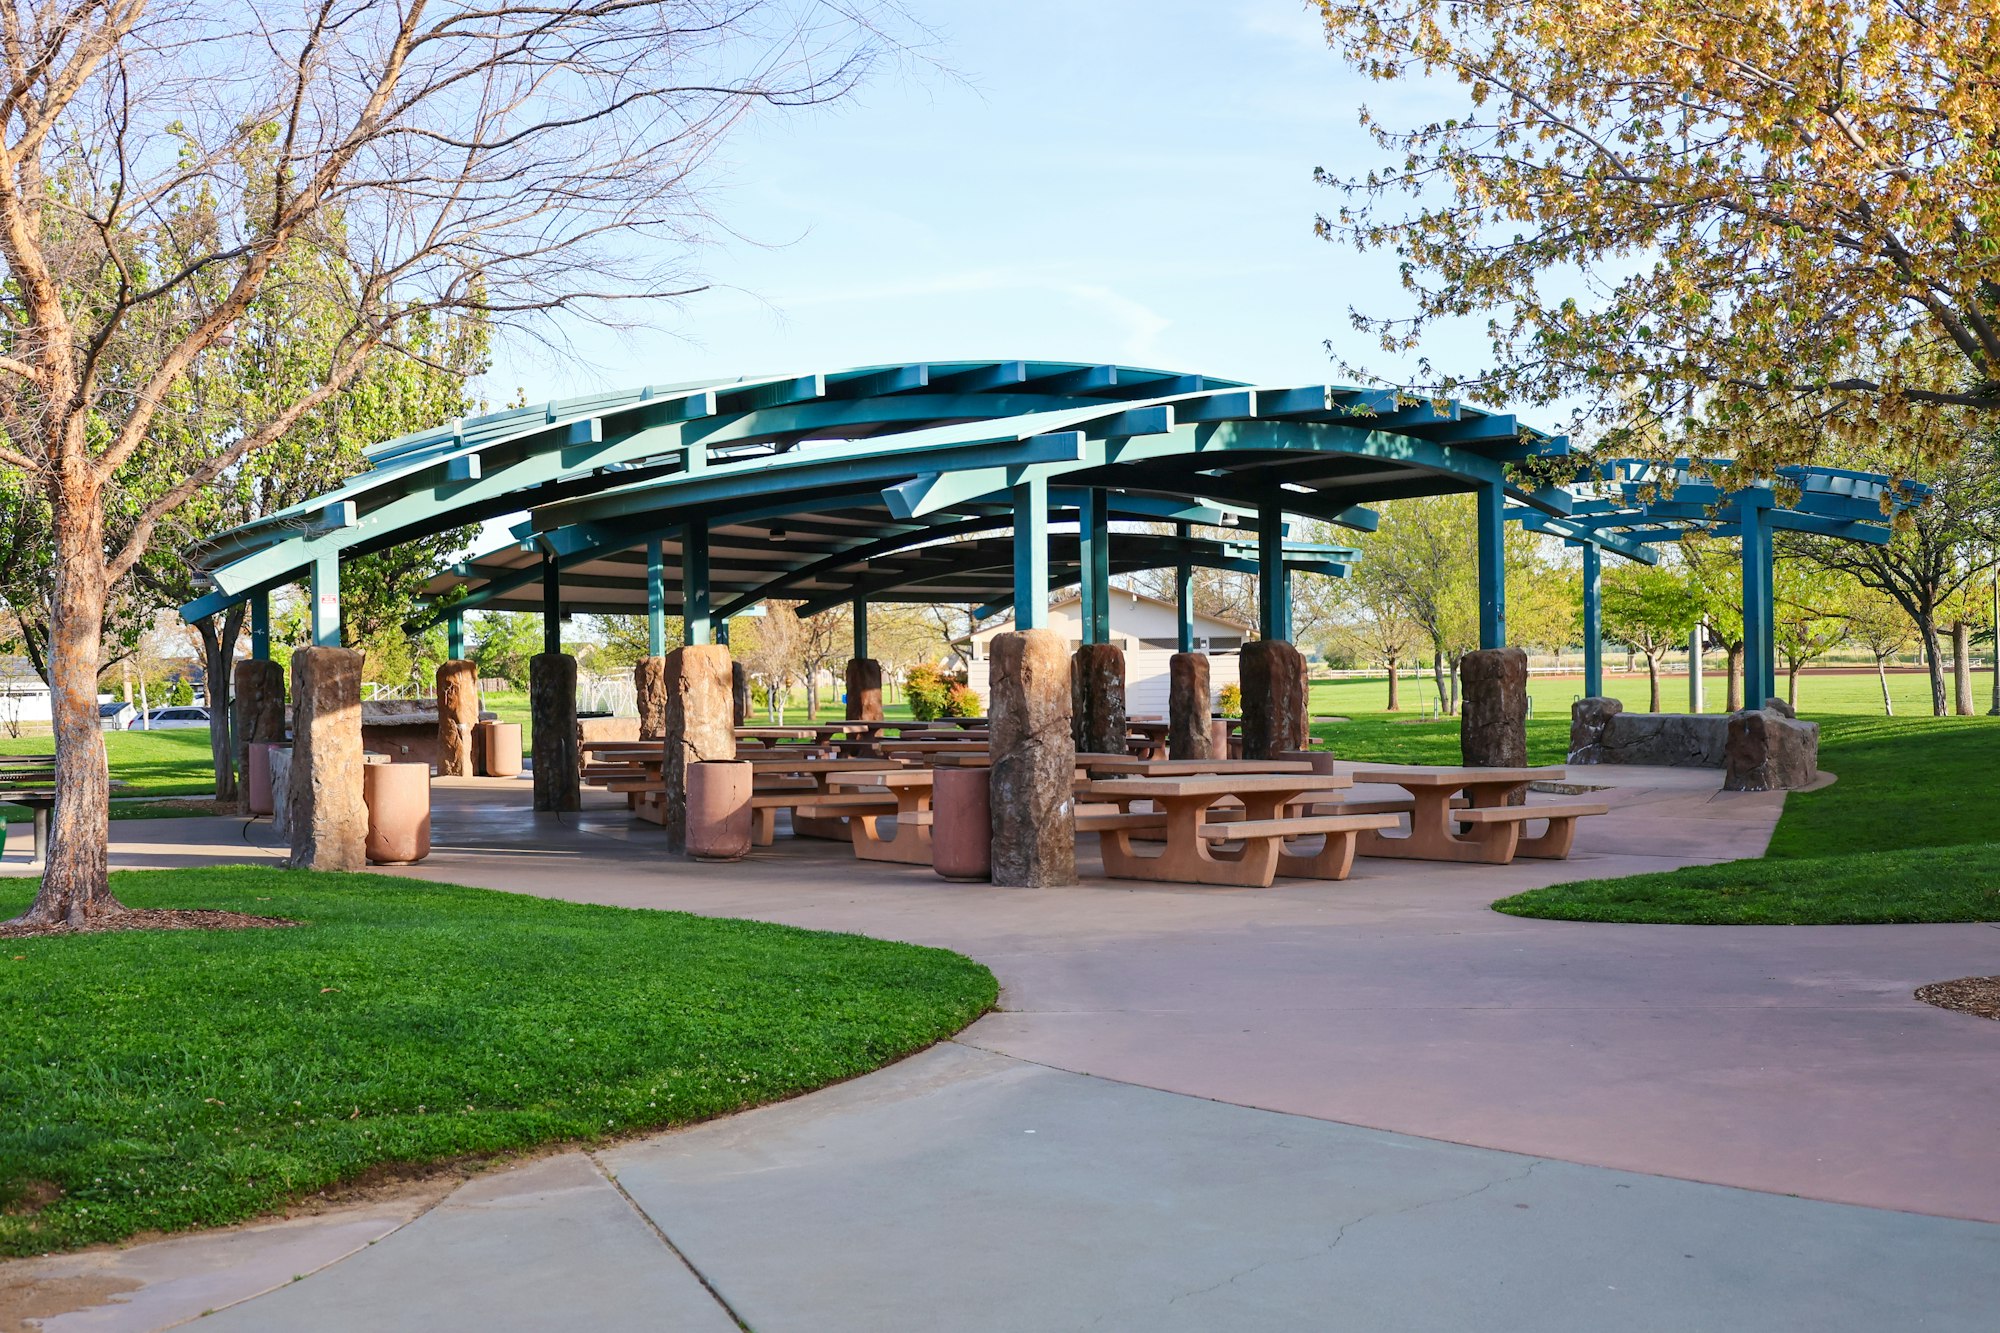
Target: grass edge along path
x,y
1910,833
166,1080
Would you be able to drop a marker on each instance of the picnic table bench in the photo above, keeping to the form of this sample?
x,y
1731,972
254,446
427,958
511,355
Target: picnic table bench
x,y
29,780
1196,850
1463,814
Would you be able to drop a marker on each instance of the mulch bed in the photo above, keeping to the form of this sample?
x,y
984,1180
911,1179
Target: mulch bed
x,y
150,918
1968,995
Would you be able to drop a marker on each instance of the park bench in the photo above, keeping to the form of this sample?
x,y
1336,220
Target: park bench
x,y
29,780
1552,844
811,804
1335,860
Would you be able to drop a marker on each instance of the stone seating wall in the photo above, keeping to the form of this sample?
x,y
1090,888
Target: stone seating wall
x,y
1758,749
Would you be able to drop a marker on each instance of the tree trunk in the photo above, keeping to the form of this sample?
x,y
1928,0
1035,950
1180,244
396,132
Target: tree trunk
x,y
1961,667
1437,674
1882,671
812,695
218,653
1792,684
1934,659
1394,704
1735,701
76,887
1653,681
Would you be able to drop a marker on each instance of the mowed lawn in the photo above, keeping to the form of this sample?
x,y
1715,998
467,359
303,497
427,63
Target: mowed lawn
x,y
160,1080
143,763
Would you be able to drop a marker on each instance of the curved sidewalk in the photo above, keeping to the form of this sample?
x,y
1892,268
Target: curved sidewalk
x,y
1177,1119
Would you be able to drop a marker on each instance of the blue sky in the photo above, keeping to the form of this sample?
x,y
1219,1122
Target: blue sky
x,y
1108,180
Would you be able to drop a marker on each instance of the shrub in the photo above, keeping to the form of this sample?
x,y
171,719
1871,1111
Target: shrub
x,y
960,701
1232,701
927,692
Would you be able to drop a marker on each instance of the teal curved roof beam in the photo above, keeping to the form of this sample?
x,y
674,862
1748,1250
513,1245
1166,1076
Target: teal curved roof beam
x,y
617,582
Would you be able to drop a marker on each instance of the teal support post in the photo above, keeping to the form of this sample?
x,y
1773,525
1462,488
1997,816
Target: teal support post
x,y
695,597
1273,620
1493,565
454,636
1184,596
860,628
551,605
1031,554
1759,595
656,599
1593,621
326,602
260,626
1094,536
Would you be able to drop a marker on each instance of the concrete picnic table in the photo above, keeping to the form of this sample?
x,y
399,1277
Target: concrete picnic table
x,y
1135,766
1190,856
911,789
1487,828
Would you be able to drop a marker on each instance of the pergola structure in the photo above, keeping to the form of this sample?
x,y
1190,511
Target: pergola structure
x,y
916,482
1627,505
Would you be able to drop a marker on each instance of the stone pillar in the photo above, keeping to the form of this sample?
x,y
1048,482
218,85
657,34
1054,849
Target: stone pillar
x,y
739,692
1274,705
1097,697
1493,724
864,689
1188,732
256,711
1034,761
328,821
458,714
700,725
649,680
552,712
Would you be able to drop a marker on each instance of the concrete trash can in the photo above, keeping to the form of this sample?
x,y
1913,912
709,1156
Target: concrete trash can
x,y
718,809
503,750
962,824
257,781
398,797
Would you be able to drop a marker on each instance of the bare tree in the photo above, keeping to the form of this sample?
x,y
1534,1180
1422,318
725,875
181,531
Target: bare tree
x,y
160,166
823,639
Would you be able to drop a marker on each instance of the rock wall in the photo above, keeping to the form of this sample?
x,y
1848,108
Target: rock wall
x,y
1188,729
328,821
1034,760
1769,749
1602,732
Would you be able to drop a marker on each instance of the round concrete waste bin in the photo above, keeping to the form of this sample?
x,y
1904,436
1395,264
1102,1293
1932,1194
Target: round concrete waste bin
x,y
398,797
718,809
503,749
962,824
257,781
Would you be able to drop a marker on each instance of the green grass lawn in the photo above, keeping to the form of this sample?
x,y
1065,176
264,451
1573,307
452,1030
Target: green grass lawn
x,y
1909,832
143,763
160,1080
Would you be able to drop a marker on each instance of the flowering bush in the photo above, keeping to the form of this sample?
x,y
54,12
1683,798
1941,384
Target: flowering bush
x,y
1232,701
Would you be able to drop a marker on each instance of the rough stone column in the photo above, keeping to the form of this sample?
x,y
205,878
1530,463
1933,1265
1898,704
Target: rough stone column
x,y
256,712
1034,761
1493,724
649,680
739,692
1188,731
700,725
552,709
864,689
329,821
1274,706
1097,695
458,714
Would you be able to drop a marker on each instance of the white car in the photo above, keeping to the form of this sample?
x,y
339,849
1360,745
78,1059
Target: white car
x,y
182,715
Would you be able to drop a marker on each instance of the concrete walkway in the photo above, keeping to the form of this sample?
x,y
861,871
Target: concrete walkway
x,y
1178,1119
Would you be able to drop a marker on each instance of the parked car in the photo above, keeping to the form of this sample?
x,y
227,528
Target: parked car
x,y
182,715
115,715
